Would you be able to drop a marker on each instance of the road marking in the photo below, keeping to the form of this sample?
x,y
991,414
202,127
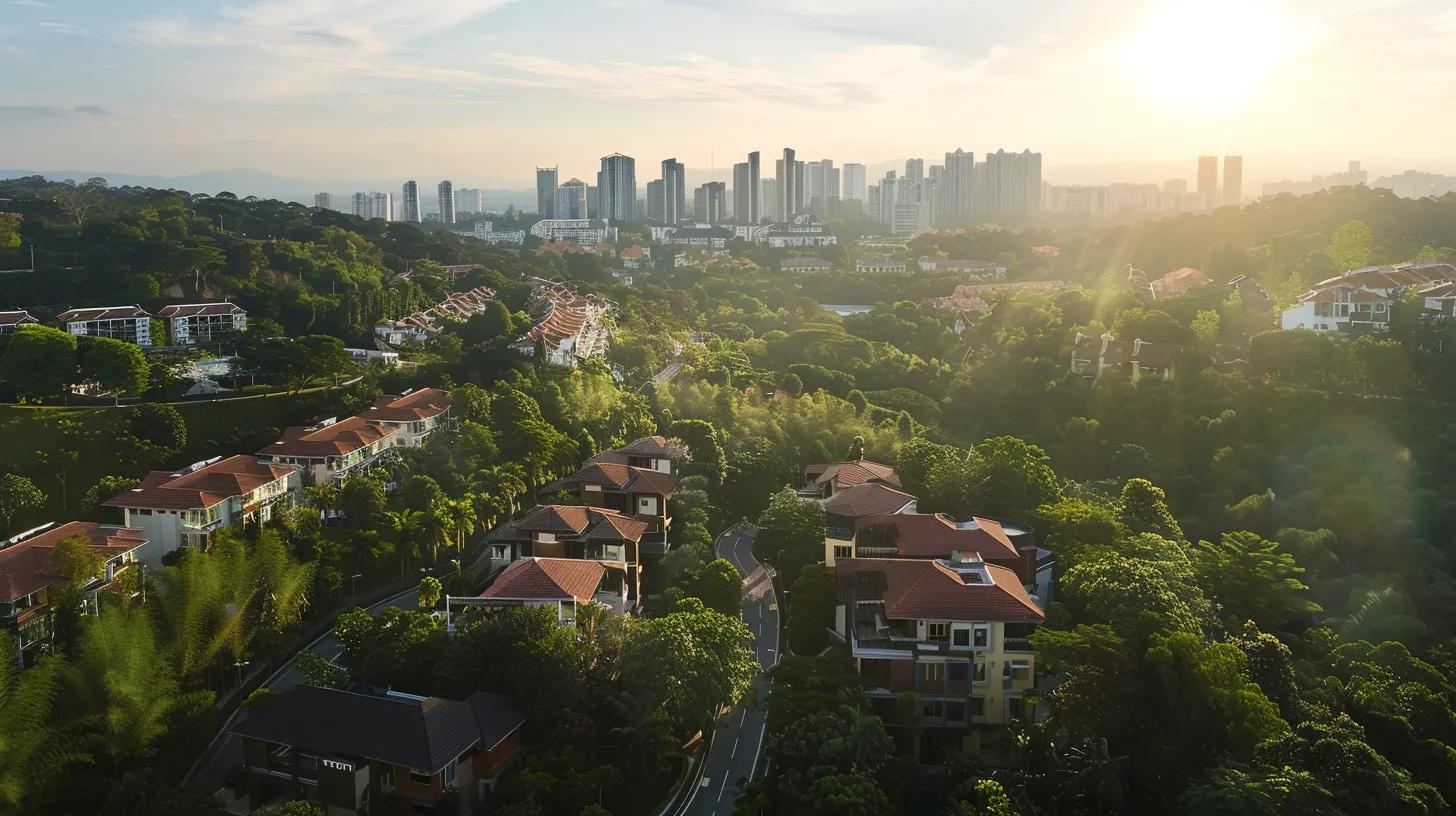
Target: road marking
x,y
706,782
743,717
734,752
722,787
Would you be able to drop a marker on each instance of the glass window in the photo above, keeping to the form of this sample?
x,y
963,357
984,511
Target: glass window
x,y
977,706
421,778
980,673
981,636
843,551
933,708
961,637
958,672
937,631
932,671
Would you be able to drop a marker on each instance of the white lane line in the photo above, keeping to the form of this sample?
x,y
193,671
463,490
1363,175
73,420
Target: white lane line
x,y
742,717
734,752
722,786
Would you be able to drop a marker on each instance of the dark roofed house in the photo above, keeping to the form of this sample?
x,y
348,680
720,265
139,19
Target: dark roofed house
x,y
574,532
853,503
373,754
129,323
28,573
823,481
12,320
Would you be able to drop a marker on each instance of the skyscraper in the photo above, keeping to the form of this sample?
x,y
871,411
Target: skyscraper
x,y
570,200
656,206
709,202
854,182
1013,183
379,205
821,186
1208,180
323,201
770,197
1233,180
790,178
915,170
957,197
747,191
617,187
359,204
411,207
469,200
674,191
546,192
447,202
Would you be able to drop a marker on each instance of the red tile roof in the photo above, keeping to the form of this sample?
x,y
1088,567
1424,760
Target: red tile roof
x,y
334,439
547,579
932,535
868,499
412,407
27,565
571,521
200,488
917,590
615,476
848,474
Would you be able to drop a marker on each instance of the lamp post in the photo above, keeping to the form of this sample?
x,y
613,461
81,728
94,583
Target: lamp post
x,y
240,665
353,578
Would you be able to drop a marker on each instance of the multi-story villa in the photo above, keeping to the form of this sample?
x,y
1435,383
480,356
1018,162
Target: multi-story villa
x,y
29,573
562,584
953,631
562,531
184,508
334,449
191,323
823,481
129,323
414,415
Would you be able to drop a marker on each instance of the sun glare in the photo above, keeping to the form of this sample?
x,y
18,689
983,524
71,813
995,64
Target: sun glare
x,y
1206,57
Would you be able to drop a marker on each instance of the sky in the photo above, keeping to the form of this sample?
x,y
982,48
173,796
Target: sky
x,y
482,91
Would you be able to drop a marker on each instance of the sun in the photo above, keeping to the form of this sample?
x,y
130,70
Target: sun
x,y
1207,56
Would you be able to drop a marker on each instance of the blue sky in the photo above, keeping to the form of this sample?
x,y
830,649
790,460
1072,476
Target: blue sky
x,y
486,89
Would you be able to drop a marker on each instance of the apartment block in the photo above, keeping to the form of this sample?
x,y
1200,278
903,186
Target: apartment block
x,y
129,323
192,323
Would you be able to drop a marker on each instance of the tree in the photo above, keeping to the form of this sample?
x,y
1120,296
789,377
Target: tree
x,y
75,561
18,495
126,676
849,794
815,595
398,648
718,584
701,440
362,502
689,662
297,807
791,533
1350,246
32,750
792,385
1136,596
1003,476
39,362
1252,580
431,590
152,432
105,488
1205,326
114,365
1143,508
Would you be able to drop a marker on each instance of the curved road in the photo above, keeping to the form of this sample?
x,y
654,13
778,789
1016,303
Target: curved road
x,y
733,757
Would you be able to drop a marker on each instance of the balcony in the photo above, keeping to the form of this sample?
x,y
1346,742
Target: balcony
x,y
1016,644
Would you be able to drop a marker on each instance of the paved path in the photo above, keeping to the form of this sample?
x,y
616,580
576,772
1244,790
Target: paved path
x,y
226,751
738,741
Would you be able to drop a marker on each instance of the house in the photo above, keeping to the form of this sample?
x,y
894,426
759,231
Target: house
x,y
376,754
28,573
635,257
1360,299
650,452
823,481
129,323
1174,284
935,535
192,323
564,584
1438,300
184,508
420,326
878,265
413,415
966,266
1252,293
571,326
1093,356
714,237
846,507
414,328
10,321
368,356
805,264
953,631
639,492
570,531
333,449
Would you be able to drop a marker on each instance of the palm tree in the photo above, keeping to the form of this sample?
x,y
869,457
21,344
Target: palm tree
x,y
405,529
464,520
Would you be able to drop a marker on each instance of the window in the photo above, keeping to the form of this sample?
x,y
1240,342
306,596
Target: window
x,y
981,636
977,706
932,671
386,776
955,712
308,762
450,774
1380,308
979,675
933,708
937,631
958,672
961,637
843,550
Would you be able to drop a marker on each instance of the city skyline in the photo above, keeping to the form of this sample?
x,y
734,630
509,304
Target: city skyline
x,y
289,89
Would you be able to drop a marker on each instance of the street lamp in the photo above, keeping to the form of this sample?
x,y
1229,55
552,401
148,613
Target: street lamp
x,y
353,578
240,665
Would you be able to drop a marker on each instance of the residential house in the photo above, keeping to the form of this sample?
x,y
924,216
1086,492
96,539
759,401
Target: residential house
x,y
1251,292
1360,300
924,536
635,257
183,508
334,449
650,452
414,415
418,327
1438,300
823,481
639,492
1174,284
953,631
562,584
192,323
129,323
376,754
1094,356
10,321
29,574
569,325
414,328
843,511
570,531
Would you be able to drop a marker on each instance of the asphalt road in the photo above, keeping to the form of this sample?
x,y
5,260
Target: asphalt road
x,y
734,756
226,751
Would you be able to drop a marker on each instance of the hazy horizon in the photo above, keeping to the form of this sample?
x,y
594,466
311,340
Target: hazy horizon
x,y
483,91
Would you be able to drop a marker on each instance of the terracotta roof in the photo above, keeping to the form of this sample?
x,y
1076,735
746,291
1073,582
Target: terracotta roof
x,y
617,476
868,499
334,439
547,579
916,590
199,309
648,447
200,488
571,521
847,474
16,317
932,535
1178,282
27,565
101,313
414,406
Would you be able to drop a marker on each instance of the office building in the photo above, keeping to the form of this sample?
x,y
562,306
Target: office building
x,y
655,205
617,188
957,190
1233,180
1013,183
747,191
447,202
469,201
380,205
854,187
790,177
410,206
323,201
570,200
1208,180
674,192
546,193
821,182
710,203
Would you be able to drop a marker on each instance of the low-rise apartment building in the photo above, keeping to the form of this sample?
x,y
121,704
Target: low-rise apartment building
x,y
175,509
376,755
571,531
12,320
879,266
413,415
561,584
29,574
954,632
189,324
129,323
571,326
1094,356
333,449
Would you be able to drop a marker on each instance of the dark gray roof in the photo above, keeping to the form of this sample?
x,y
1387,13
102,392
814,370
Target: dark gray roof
x,y
421,734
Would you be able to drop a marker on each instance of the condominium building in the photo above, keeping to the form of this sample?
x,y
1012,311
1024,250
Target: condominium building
x,y
1233,180
129,323
854,178
910,218
1208,180
546,182
373,205
571,201
617,187
331,451
747,193
710,203
469,201
957,186
1012,183
587,231
410,210
656,206
189,324
790,178
446,190
183,508
673,191
323,201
